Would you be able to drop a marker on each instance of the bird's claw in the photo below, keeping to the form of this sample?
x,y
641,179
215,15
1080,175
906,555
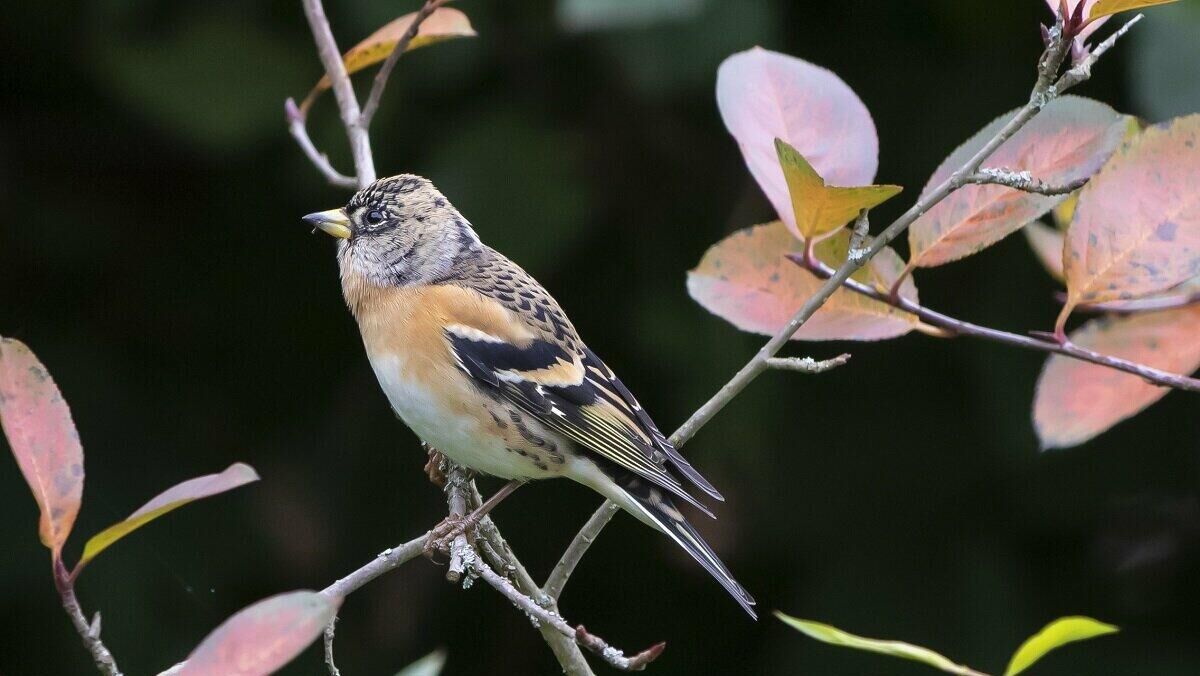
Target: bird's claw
x,y
443,534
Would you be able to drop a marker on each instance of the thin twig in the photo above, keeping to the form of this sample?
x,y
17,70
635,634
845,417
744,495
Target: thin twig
x,y
1024,181
299,131
1048,66
540,615
807,364
90,633
329,629
578,547
461,551
1081,71
961,328
389,559
331,58
385,71
496,549
858,236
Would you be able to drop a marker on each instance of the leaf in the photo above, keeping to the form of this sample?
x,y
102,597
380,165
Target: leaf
x,y
1104,8
1137,227
1076,401
443,24
765,95
1055,635
1065,211
430,665
237,474
1069,140
835,636
820,209
1047,245
42,435
746,280
262,638
1088,28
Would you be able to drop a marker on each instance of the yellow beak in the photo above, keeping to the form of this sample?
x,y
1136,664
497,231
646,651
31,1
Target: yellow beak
x,y
335,222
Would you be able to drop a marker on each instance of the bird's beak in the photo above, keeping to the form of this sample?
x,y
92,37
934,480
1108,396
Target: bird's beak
x,y
335,222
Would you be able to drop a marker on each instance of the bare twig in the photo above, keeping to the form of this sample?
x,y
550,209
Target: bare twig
x,y
957,327
1024,181
329,664
807,364
298,130
385,71
89,632
578,547
858,236
389,559
1044,90
461,551
1081,71
331,58
540,615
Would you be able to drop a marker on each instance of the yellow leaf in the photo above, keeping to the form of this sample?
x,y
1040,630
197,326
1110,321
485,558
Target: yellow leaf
x,y
169,500
835,636
821,209
1056,634
443,24
1107,7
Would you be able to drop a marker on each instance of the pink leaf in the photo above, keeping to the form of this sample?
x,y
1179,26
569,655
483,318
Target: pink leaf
x,y
746,280
1047,245
262,638
1070,139
1136,229
43,438
764,95
237,474
1076,400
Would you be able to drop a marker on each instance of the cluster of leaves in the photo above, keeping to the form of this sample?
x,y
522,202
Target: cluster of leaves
x,y
1054,635
1131,234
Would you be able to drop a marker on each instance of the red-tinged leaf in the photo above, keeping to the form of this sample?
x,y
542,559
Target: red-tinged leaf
x,y
444,23
1069,140
237,474
746,280
1047,245
1103,8
262,638
1088,9
1076,400
765,95
1136,230
38,424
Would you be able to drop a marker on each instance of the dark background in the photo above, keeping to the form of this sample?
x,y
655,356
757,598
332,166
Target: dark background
x,y
151,254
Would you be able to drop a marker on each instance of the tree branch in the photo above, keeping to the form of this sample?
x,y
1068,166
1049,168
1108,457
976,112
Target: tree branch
x,y
298,130
329,629
957,327
807,364
1024,181
90,633
331,58
1044,90
385,71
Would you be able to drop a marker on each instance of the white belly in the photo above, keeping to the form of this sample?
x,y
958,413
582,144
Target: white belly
x,y
462,438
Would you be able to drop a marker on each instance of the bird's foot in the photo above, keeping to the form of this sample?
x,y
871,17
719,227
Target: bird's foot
x,y
443,534
435,466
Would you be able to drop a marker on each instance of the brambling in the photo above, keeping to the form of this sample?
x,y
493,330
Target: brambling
x,y
482,363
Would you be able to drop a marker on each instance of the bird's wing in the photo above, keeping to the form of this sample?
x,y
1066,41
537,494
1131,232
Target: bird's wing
x,y
556,388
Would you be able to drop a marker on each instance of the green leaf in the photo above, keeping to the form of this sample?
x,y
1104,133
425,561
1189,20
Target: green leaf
x,y
1056,634
430,665
835,636
237,474
821,209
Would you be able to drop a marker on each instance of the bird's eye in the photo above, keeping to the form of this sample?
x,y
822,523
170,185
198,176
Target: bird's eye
x,y
374,217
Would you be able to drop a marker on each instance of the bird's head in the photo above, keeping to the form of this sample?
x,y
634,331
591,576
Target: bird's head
x,y
398,231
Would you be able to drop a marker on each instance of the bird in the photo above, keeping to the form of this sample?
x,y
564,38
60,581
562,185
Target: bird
x,y
481,362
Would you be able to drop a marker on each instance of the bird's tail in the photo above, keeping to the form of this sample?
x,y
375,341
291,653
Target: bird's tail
x,y
649,504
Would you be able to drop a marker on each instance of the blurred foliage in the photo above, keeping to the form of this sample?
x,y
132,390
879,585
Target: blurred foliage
x,y
153,258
